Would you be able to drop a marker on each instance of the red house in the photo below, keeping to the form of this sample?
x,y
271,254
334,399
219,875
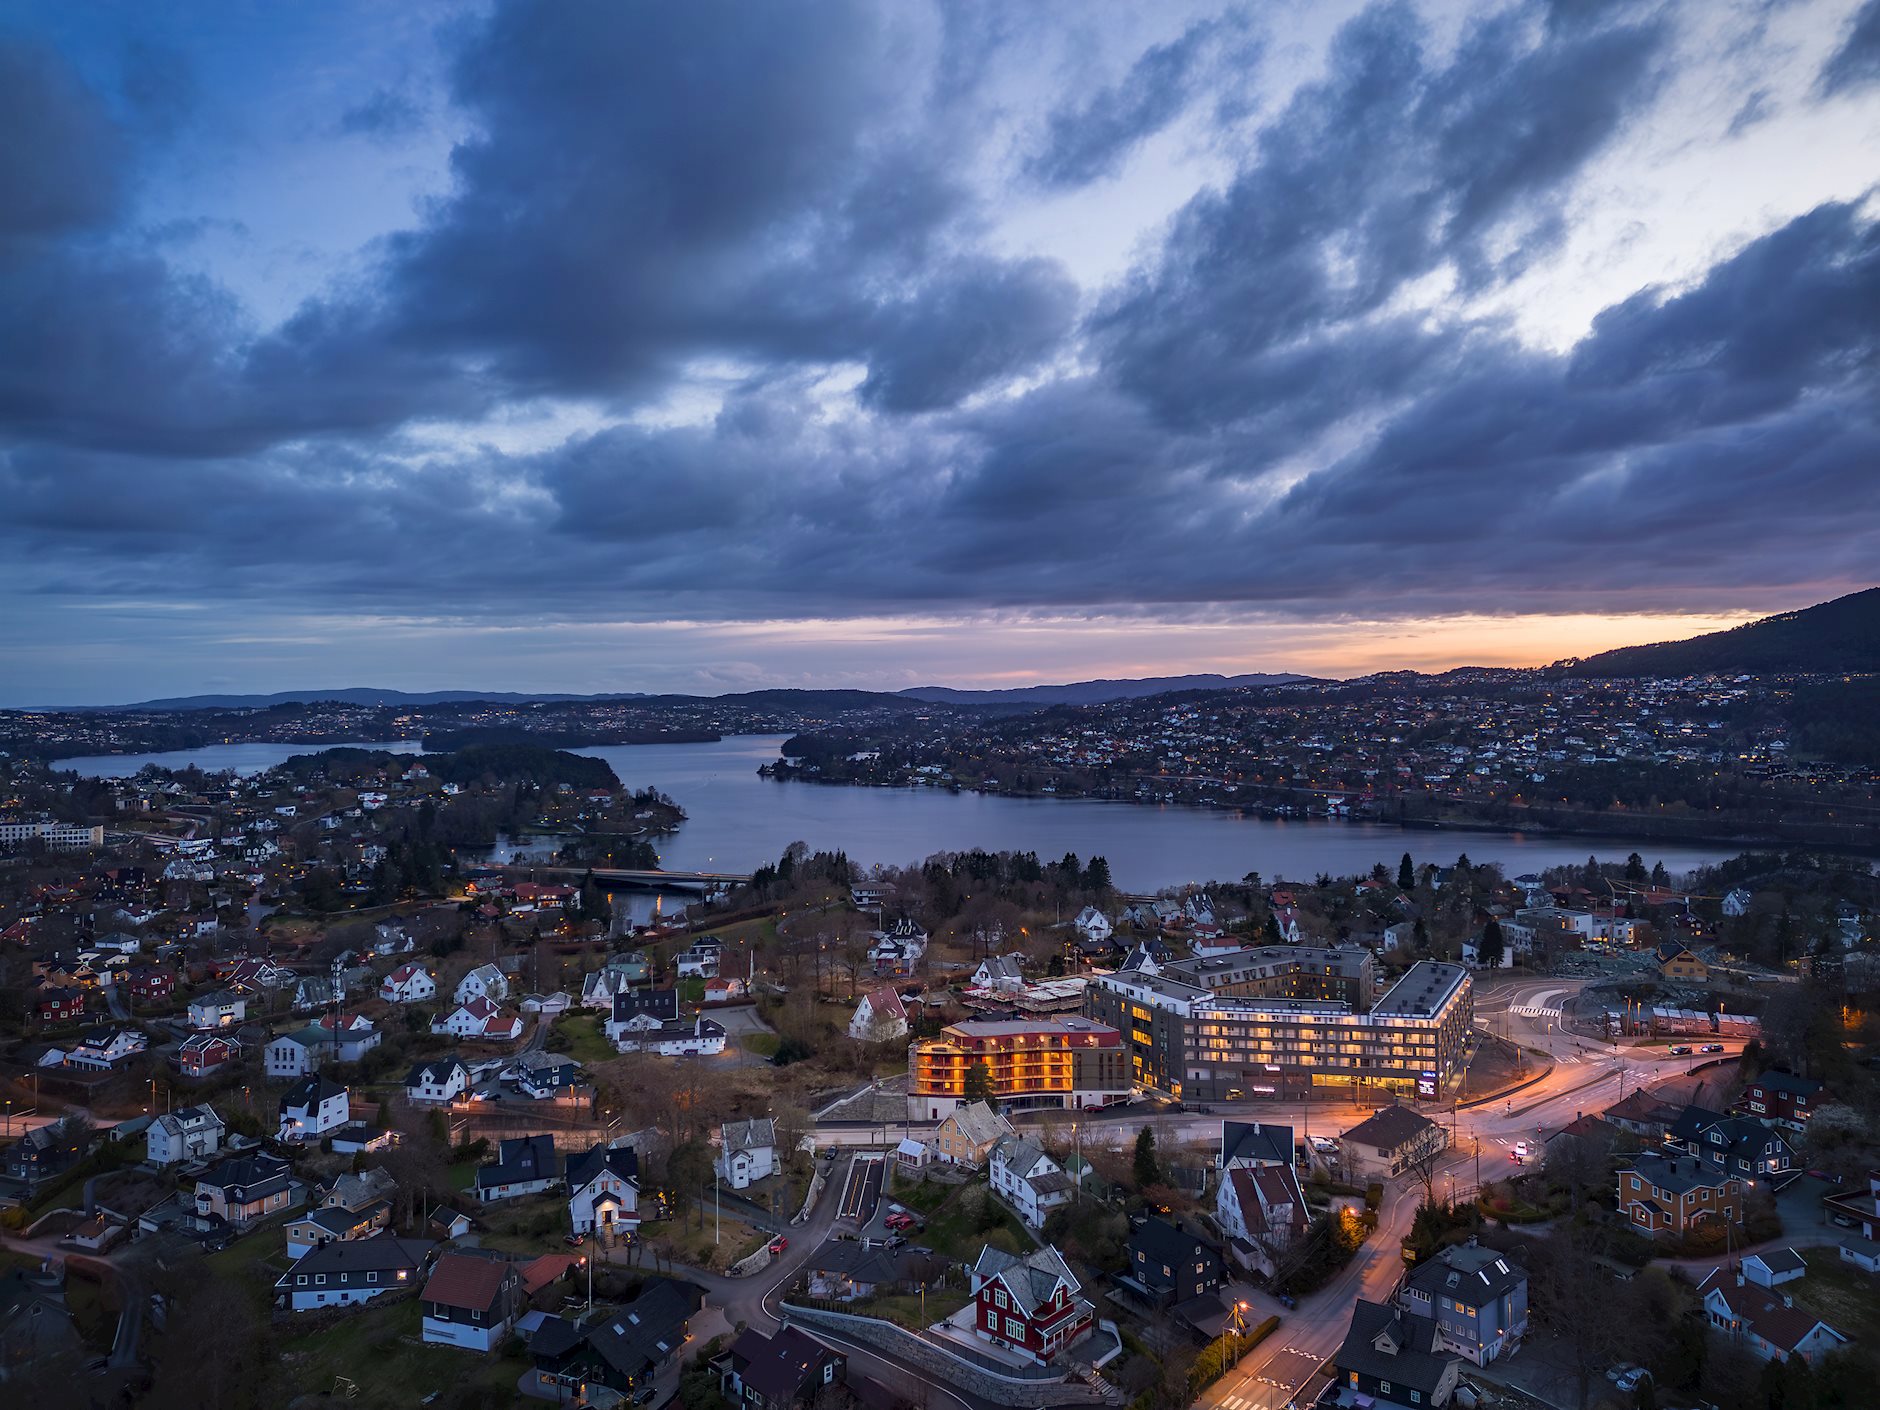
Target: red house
x,y
150,984
60,1005
205,1053
1032,1304
1783,1099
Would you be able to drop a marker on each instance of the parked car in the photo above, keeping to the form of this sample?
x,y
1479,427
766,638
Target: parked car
x,y
901,1221
574,1240
1629,1381
779,1244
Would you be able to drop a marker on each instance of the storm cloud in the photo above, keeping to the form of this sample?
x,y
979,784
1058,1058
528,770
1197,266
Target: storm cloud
x,y
720,313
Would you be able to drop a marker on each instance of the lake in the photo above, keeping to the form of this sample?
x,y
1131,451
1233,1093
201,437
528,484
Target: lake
x,y
737,821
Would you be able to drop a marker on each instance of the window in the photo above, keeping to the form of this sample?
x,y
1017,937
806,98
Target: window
x,y
372,1277
992,1320
999,1298
1014,1328
319,1279
301,1280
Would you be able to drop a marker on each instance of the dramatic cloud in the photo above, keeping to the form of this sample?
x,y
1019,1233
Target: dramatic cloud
x,y
719,314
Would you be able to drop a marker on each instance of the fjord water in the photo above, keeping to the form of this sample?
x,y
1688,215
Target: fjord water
x,y
736,821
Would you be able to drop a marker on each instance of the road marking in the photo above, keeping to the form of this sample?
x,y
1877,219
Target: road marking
x,y
1538,1010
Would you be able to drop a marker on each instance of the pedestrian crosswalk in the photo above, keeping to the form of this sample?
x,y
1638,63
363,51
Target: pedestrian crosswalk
x,y
1538,1010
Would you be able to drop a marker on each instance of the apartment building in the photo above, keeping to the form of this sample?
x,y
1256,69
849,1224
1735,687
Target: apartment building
x,y
1072,1063
1281,1020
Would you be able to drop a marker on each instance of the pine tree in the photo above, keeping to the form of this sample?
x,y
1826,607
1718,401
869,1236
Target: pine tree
x,y
1492,946
1406,874
1148,1172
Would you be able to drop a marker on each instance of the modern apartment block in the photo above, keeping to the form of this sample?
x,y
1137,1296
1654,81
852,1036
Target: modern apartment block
x,y
1283,1019
1071,1063
57,837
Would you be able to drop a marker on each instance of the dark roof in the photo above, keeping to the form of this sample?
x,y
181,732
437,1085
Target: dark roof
x,y
519,1160
646,1330
624,1161
1413,1362
1787,1083
662,1004
258,1174
382,1253
555,1336
1468,1272
435,1071
309,1092
1780,1260
1261,1142
1164,1243
776,1367
1389,1128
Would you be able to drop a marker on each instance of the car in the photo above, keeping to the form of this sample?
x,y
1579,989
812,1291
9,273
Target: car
x,y
899,1220
779,1244
1630,1380
1325,1145
895,1241
1521,1150
1615,1373
1681,1050
574,1240
646,1395
1711,1048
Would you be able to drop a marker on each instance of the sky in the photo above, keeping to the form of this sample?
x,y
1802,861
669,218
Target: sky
x,y
538,344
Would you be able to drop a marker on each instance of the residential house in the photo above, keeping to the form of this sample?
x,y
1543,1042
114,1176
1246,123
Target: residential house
x,y
1677,961
408,984
1859,1211
245,1188
1388,1143
1172,1263
1740,1145
1000,973
700,959
204,1054
622,1350
598,989
1255,1143
1477,1297
346,1271
486,981
1031,1302
1783,1099
478,1020
701,1037
313,1107
189,1133
525,1165
898,949
1661,1194
1394,1358
846,1270
638,1012
470,1301
220,1010
880,1017
318,991
98,1050
36,1328
48,1151
747,1152
335,1224
604,1190
1093,924
546,1075
150,985
352,1035
1772,1267
723,988
1766,1324
785,1371
1264,1214
60,1003
296,1054
968,1135
1029,1180
439,1080
1644,1115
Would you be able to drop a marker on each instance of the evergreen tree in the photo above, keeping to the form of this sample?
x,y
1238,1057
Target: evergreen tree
x,y
1406,874
1660,877
1491,947
1148,1172
1635,869
1097,874
978,1084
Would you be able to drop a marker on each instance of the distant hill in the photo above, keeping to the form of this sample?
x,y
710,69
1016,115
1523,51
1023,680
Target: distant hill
x,y
1842,635
1090,692
351,695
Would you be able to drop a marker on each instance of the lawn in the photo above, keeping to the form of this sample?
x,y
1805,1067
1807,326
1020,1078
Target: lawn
x,y
923,1195
907,1309
969,1221
763,1044
685,1243
1840,1294
579,1036
377,1348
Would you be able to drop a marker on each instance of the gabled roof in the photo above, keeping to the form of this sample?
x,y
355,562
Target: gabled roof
x,y
1389,1128
1788,1084
756,1134
1780,1260
1257,1188
1766,1314
381,1253
646,1330
1030,1279
1164,1243
519,1160
1393,1345
1468,1272
464,1281
979,1123
775,1367
1261,1142
309,1092
886,1000
656,1003
623,1161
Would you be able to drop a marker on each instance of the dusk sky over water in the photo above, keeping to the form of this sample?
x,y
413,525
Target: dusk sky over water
x,y
590,347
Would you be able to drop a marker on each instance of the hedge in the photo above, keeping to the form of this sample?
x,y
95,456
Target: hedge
x,y
1223,1353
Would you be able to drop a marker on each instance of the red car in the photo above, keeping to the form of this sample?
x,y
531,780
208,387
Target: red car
x,y
902,1222
779,1244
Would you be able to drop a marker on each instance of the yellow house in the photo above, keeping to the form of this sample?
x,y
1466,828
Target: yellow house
x,y
1676,961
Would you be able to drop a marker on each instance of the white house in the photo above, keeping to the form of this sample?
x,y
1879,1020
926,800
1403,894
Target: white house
x,y
748,1153
1031,1182
352,1035
408,984
312,1107
486,981
347,1271
1093,924
98,1049
1263,1212
638,1013
525,1165
700,961
880,1017
1773,1267
224,1010
296,1054
440,1080
1472,954
701,1038
186,1134
480,1020
1003,973
1764,1323
604,1190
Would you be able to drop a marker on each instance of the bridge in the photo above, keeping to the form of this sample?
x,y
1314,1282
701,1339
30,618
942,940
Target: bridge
x,y
651,879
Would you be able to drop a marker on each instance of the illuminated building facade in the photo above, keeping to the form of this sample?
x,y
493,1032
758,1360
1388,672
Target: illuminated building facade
x,y
1070,1063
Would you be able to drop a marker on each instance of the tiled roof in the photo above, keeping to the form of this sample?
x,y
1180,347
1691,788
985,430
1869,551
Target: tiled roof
x,y
460,1280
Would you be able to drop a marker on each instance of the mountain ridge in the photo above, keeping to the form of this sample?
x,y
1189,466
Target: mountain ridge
x,y
1841,634
1095,692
